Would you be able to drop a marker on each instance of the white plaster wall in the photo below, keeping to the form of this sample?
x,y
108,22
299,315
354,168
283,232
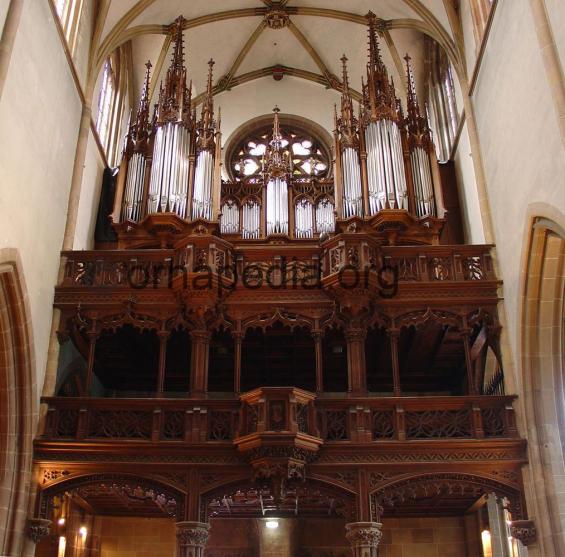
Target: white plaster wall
x,y
84,35
89,197
520,141
469,36
556,13
292,95
39,114
468,196
3,13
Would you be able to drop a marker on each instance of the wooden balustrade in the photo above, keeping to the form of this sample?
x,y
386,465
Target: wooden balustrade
x,y
345,420
408,264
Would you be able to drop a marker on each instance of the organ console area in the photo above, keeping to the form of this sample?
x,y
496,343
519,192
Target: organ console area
x,y
381,168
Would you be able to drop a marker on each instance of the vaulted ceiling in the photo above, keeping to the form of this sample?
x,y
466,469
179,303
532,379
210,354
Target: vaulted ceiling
x,y
239,36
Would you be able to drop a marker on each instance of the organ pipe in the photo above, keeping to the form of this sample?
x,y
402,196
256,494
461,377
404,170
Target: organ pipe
x,y
277,206
251,220
421,150
347,133
325,216
170,171
135,156
276,166
205,164
229,223
203,181
381,120
304,219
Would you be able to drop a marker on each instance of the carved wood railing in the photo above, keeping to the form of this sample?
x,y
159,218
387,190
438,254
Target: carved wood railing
x,y
409,264
337,420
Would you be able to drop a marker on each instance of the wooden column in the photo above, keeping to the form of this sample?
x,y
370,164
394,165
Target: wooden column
x,y
92,337
355,337
468,362
363,497
163,338
393,335
199,362
237,342
317,336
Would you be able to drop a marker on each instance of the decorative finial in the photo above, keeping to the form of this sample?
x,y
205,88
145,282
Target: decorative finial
x,y
345,77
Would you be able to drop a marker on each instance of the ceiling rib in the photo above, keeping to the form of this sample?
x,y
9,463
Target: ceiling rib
x,y
267,72
396,59
224,82
159,66
331,79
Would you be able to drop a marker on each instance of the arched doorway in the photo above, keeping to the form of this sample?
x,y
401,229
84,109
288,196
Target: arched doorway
x,y
543,378
17,405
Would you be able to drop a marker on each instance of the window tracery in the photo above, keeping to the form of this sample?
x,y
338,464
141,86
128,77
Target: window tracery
x,y
69,12
309,157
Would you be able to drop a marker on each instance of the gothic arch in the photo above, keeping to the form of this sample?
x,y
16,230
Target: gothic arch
x,y
149,486
17,402
406,487
543,378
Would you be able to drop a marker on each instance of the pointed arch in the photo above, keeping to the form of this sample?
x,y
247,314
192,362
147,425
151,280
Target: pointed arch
x,y
17,402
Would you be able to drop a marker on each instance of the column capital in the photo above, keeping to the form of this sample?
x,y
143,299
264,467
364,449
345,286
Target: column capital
x,y
191,538
38,528
364,538
355,333
524,530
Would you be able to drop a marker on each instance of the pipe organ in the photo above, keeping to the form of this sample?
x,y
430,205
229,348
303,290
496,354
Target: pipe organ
x,y
384,163
384,160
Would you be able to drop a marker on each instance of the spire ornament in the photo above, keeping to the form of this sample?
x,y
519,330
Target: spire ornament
x,y
379,95
276,163
139,129
174,96
416,124
207,125
347,124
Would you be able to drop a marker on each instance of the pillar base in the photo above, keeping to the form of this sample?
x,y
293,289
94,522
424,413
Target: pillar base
x,y
191,538
364,538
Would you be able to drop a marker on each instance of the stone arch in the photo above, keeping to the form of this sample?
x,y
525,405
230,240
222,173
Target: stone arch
x,y
17,402
543,380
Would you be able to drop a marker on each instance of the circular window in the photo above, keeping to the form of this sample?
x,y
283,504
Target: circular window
x,y
309,154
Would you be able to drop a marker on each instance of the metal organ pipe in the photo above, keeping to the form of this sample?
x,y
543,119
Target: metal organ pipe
x,y
251,220
133,193
168,187
385,166
304,221
229,223
325,217
352,195
277,206
203,180
423,185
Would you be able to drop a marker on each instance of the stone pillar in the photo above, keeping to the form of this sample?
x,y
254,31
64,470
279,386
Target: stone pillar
x,y
364,538
191,538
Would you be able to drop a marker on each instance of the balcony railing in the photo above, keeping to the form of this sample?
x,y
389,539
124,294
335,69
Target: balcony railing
x,y
334,420
412,264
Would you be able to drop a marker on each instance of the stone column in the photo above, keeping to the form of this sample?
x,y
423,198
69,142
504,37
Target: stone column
x,y
364,538
191,538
